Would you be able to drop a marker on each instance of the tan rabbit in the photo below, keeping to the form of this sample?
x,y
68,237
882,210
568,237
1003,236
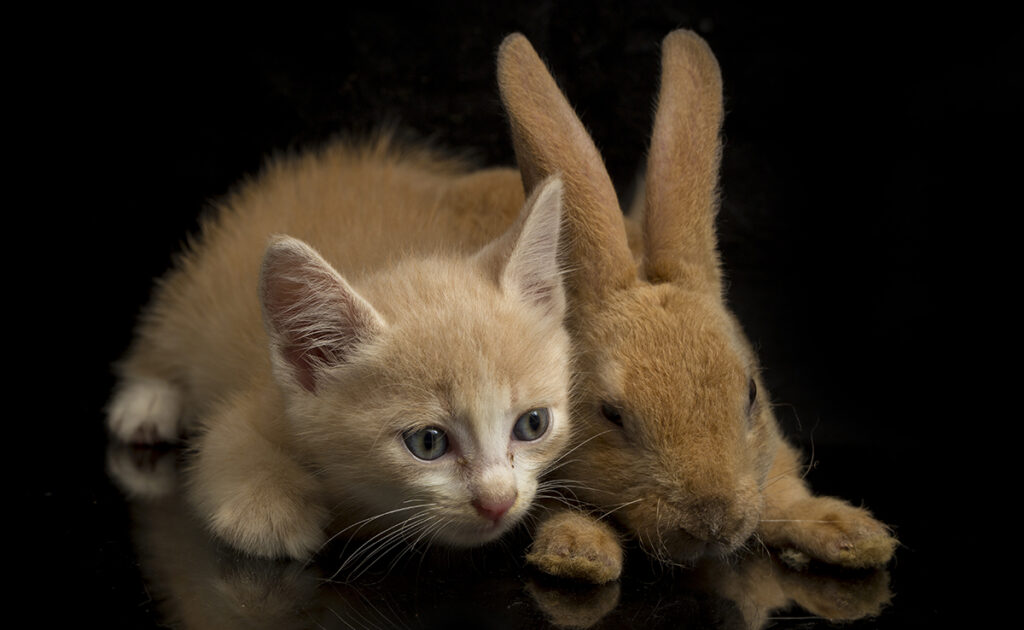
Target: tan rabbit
x,y
677,436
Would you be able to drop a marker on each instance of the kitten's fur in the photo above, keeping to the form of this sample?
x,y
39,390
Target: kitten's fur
x,y
301,410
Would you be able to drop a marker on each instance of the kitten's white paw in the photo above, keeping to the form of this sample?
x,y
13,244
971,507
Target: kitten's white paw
x,y
145,412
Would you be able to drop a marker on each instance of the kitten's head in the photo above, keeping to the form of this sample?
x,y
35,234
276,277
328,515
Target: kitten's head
x,y
431,400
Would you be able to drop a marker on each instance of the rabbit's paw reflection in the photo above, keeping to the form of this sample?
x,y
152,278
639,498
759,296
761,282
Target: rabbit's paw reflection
x,y
841,596
571,606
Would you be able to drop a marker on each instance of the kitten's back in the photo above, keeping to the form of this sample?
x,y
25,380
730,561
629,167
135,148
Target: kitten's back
x,y
362,206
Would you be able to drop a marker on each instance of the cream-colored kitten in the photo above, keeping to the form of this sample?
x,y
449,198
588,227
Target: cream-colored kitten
x,y
372,379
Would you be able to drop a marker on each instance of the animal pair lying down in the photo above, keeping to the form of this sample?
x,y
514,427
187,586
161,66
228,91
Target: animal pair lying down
x,y
426,354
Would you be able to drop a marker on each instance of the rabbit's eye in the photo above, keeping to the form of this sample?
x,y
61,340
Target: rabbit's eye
x,y
611,413
752,394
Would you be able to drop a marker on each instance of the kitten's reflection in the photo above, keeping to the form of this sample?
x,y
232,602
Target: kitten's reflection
x,y
200,584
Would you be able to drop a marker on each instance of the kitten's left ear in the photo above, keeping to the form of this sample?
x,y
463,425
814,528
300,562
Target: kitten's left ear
x,y
527,255
315,319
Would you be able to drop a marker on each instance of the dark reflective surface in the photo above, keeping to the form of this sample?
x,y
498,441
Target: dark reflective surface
x,y
862,210
196,583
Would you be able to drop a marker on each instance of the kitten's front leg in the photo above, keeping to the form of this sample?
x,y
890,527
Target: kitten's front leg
x,y
805,527
252,492
574,545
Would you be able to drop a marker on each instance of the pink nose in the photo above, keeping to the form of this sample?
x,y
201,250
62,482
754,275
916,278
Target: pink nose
x,y
493,510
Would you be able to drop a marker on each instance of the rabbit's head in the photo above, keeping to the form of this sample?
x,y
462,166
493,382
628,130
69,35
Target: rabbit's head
x,y
676,432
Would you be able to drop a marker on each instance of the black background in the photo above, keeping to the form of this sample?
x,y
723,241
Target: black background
x,y
863,225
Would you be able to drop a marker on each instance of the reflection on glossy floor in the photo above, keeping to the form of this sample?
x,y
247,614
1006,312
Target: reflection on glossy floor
x,y
197,583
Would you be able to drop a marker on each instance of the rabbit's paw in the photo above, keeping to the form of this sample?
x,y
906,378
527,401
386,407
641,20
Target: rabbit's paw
x,y
145,411
574,545
266,522
832,531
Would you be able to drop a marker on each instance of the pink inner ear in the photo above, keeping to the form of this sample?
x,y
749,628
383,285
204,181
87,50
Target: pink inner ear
x,y
293,290
316,317
533,267
540,291
305,359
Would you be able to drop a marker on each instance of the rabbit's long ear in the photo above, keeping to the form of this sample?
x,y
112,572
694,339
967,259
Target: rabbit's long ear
x,y
549,139
682,167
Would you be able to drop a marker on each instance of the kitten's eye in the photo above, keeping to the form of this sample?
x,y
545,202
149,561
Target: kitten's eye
x,y
427,444
752,395
531,425
611,413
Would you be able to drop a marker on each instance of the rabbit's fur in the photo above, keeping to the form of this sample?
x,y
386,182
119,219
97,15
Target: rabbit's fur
x,y
676,432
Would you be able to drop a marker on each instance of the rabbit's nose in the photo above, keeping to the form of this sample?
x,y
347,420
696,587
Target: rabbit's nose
x,y
715,521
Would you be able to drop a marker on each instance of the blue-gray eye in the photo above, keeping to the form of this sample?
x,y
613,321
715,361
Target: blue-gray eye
x,y
427,444
532,424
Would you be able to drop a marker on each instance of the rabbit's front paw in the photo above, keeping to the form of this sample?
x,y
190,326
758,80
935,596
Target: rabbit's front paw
x,y
832,531
267,523
573,545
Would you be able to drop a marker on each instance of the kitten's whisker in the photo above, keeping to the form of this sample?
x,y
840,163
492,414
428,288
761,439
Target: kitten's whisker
x,y
563,492
365,521
423,527
571,483
438,526
619,507
559,499
553,466
566,454
386,543
367,546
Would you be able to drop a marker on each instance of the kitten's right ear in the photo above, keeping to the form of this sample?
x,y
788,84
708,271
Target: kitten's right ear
x,y
314,318
525,260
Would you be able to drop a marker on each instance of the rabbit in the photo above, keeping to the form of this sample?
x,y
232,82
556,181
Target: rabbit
x,y
676,434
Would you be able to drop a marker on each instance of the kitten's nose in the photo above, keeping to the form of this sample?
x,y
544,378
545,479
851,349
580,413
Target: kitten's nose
x,y
494,509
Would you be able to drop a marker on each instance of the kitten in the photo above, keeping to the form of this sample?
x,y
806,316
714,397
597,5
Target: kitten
x,y
417,396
